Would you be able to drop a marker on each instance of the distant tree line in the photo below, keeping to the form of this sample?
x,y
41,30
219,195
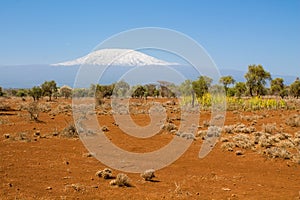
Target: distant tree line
x,y
255,85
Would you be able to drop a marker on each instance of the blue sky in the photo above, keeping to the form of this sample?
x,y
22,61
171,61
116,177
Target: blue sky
x,y
235,33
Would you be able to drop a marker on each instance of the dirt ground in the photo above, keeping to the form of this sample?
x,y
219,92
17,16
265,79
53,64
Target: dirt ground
x,y
37,163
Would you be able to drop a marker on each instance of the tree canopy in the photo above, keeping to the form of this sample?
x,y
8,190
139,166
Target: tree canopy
x,y
48,88
256,78
201,85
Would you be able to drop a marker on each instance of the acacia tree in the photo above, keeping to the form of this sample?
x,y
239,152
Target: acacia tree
x,y
277,86
295,88
151,90
121,88
226,81
139,91
21,93
36,93
201,85
48,88
65,91
240,89
256,79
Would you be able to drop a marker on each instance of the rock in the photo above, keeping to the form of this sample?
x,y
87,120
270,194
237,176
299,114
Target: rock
x,y
105,129
6,136
49,188
239,153
226,189
37,133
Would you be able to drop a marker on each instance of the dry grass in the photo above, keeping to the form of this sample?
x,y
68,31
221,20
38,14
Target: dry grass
x,y
70,131
293,121
121,180
148,175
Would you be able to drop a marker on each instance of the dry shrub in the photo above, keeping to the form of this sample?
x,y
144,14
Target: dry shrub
x,y
121,181
70,131
242,141
293,121
286,144
297,134
34,110
228,146
214,131
148,175
202,134
169,127
265,141
5,107
228,129
45,107
106,173
276,152
21,137
188,136
78,187
269,128
239,128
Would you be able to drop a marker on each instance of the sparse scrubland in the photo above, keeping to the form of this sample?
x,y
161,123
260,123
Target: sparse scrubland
x,y
257,154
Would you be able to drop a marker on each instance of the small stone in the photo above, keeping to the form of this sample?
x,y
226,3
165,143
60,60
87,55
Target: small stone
x,y
89,154
6,136
239,153
37,133
49,188
105,129
55,134
226,189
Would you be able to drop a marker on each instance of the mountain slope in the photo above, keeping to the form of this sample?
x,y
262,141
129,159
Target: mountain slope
x,y
118,57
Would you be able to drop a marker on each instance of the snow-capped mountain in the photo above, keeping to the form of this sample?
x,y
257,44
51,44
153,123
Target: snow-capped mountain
x,y
118,57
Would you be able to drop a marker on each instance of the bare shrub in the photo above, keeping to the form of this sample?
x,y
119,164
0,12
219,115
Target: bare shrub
x,y
121,180
34,110
297,134
106,173
239,128
206,123
296,159
148,175
265,141
5,107
70,131
286,144
293,121
276,152
22,136
188,136
169,127
45,107
242,141
269,128
228,129
213,131
77,187
228,146
202,134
